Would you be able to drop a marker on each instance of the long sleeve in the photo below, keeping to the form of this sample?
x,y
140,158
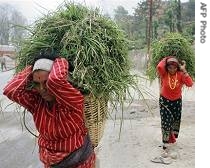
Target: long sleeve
x,y
161,67
59,86
187,80
16,90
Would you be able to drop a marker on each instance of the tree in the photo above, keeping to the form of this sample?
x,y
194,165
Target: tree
x,y
120,13
169,19
121,17
124,20
141,17
149,32
145,13
4,24
178,16
16,30
188,13
11,22
188,19
155,29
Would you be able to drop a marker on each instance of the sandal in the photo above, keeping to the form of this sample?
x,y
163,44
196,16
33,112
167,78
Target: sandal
x,y
162,160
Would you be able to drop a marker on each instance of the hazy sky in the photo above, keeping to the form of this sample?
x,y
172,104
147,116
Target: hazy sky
x,y
32,9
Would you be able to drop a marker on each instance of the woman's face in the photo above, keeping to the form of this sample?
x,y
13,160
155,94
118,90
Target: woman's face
x,y
40,78
172,69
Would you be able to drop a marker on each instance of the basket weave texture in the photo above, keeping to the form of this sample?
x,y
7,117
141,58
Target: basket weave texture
x,y
95,111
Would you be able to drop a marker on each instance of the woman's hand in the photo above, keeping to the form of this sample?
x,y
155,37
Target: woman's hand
x,y
183,66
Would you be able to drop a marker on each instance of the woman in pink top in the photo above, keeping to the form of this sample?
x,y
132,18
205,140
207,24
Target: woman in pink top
x,y
173,76
57,109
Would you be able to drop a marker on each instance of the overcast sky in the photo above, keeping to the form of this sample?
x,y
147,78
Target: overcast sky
x,y
33,9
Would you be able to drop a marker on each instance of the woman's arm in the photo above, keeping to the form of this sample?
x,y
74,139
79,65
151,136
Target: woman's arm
x,y
59,86
161,67
16,90
186,78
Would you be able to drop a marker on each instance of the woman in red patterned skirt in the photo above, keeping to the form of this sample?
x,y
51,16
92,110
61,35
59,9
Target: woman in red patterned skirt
x,y
173,76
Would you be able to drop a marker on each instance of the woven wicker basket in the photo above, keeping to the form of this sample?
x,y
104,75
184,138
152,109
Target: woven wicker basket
x,y
95,116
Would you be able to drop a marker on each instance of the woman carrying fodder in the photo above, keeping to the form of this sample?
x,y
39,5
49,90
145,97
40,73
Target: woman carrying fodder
x,y
173,58
172,44
94,46
96,51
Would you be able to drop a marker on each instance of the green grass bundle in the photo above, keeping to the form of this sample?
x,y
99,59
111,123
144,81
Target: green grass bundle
x,y
92,43
173,44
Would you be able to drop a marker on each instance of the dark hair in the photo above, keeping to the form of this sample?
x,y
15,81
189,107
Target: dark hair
x,y
51,54
48,53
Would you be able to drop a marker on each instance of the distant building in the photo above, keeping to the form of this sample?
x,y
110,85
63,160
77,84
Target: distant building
x,y
8,50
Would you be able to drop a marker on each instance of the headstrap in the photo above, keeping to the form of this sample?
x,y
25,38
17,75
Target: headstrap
x,y
172,59
43,64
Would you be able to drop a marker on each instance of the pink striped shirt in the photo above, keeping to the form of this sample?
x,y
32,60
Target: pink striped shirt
x,y
61,127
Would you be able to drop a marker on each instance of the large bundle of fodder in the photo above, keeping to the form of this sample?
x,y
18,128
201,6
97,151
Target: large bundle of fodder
x,y
96,49
94,45
172,44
